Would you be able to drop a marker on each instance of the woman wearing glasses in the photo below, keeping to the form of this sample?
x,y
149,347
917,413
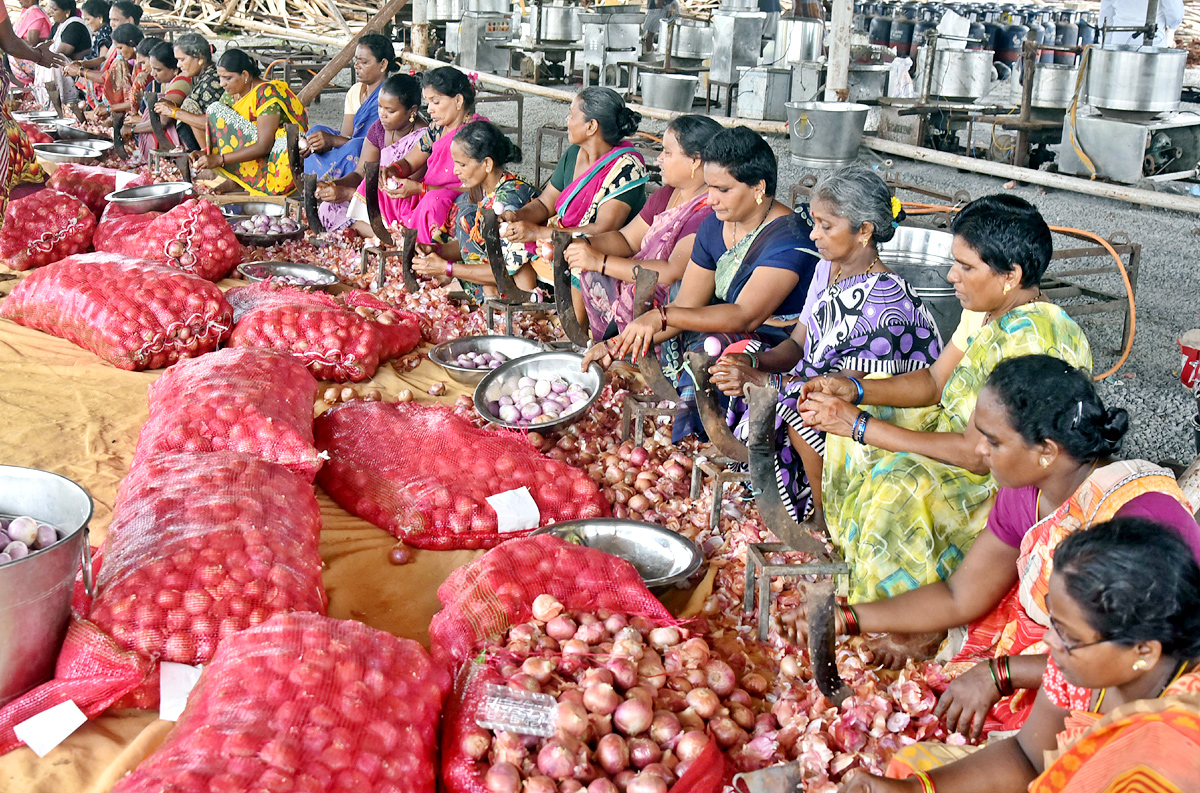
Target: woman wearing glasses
x,y
1119,706
1049,443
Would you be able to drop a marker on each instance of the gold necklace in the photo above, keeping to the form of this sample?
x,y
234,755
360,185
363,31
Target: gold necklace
x,y
1178,674
988,316
838,275
767,214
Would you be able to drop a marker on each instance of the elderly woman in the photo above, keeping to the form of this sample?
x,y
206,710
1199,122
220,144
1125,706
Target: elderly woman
x,y
173,87
247,142
858,317
72,39
107,85
659,238
33,26
749,273
904,498
425,203
599,183
194,55
334,154
482,154
390,138
1119,706
1050,444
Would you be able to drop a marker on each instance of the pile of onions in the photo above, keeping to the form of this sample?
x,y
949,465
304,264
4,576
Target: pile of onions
x,y
637,704
539,401
480,360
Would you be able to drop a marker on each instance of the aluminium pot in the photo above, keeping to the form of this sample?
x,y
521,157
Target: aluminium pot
x,y
1134,79
561,23
1053,86
957,74
798,40
669,91
691,38
35,591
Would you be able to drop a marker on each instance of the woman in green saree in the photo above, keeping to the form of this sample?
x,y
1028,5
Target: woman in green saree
x,y
905,490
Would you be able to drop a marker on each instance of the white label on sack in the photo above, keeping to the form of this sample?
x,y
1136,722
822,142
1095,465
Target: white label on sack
x,y
175,682
48,729
124,178
515,510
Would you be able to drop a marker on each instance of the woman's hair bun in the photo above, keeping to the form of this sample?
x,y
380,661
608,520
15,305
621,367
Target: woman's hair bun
x,y
629,121
1112,426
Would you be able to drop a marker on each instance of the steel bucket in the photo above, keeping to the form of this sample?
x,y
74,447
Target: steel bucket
x,y
690,38
825,134
561,23
798,40
957,74
1133,79
669,91
923,258
35,591
1053,86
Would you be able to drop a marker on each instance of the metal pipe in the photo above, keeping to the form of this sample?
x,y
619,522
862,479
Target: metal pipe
x,y
1099,189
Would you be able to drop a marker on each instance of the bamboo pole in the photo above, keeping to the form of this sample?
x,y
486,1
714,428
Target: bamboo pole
x,y
999,170
323,77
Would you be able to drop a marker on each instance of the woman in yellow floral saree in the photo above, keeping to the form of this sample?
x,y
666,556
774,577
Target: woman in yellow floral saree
x,y
246,129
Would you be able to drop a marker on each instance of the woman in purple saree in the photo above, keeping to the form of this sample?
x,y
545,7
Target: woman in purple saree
x,y
659,238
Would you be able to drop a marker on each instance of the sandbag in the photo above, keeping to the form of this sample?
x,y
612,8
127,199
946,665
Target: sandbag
x,y
402,466
250,401
132,313
43,228
307,704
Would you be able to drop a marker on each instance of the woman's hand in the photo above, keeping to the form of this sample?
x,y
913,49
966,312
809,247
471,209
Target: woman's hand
x,y
638,336
863,782
429,265
73,69
597,353
829,414
332,193
580,255
404,189
731,374
967,700
524,231
51,59
839,387
202,161
320,141
165,108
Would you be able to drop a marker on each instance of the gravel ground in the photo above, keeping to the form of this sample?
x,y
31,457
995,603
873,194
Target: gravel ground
x,y
1147,385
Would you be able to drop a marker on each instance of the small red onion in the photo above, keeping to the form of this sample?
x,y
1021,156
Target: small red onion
x,y
742,716
572,719
704,702
556,760
598,675
646,783
540,669
570,786
633,717
612,754
546,607
602,786
694,652
621,780
614,623
503,778
754,683
561,628
638,456
662,638
508,747
720,677
643,752
665,728
660,771
524,682
726,732
476,743
539,784
601,698
740,697
690,745
641,694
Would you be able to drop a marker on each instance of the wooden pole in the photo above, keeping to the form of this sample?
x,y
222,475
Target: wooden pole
x,y
999,170
837,81
420,27
339,62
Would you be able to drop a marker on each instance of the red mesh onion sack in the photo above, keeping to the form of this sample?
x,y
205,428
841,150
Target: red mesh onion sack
x,y
399,331
201,546
119,230
43,228
424,473
91,184
250,401
307,704
132,313
194,237
335,344
34,134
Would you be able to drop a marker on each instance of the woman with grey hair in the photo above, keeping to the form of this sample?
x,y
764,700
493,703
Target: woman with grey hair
x,y
859,318
195,58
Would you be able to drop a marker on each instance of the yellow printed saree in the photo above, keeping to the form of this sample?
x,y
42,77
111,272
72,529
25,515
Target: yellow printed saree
x,y
902,520
234,125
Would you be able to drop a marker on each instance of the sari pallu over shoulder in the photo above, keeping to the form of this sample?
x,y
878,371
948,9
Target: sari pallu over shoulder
x,y
616,173
234,126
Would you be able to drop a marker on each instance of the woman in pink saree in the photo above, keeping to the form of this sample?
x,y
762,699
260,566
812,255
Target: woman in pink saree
x,y
659,238
418,190
600,181
34,26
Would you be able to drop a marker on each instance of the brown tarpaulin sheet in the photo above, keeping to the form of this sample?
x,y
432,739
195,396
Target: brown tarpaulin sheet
x,y
67,411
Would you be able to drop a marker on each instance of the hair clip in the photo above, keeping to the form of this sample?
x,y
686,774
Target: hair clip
x,y
1078,415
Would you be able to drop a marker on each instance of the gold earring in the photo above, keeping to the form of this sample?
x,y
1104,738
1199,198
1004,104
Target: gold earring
x,y
758,199
1139,665
1007,288
694,166
1045,463
864,242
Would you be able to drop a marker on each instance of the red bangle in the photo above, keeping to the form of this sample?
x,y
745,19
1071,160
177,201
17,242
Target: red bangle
x,y
924,781
850,618
449,269
662,312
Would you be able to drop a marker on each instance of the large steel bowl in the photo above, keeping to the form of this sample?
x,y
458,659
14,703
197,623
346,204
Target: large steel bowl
x,y
305,276
35,115
35,591
67,152
512,347
662,557
152,197
245,209
546,364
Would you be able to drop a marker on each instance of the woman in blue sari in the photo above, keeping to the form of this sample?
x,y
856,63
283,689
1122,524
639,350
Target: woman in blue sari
x,y
333,155
748,277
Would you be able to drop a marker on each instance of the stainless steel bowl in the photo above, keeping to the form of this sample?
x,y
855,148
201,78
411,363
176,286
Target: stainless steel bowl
x,y
512,347
67,152
545,364
101,147
305,276
267,240
662,557
152,197
241,209
35,115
